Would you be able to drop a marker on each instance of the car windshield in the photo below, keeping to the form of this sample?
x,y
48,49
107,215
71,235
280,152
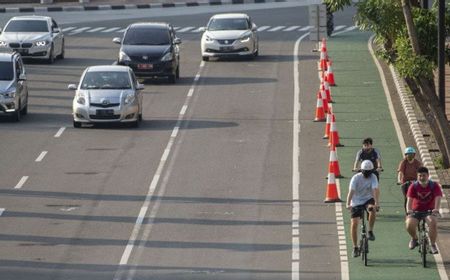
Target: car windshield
x,y
27,26
228,24
6,71
106,80
146,36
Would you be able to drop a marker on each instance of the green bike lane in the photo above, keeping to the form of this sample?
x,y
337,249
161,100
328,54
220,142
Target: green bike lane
x,y
361,110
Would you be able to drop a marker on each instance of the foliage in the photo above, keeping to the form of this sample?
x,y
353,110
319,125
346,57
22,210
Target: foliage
x,y
410,65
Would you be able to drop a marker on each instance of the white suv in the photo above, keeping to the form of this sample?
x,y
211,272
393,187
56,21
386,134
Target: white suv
x,y
33,37
13,86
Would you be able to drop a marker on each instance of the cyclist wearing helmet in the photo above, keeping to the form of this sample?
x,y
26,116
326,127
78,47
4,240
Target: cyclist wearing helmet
x,y
363,190
368,152
407,170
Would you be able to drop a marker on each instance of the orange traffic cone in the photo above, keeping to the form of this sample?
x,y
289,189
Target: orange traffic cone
x,y
326,87
323,58
328,123
323,95
320,112
334,135
332,193
333,166
330,74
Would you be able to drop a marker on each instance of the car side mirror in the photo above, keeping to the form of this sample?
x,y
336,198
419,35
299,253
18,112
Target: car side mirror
x,y
254,27
202,29
72,86
177,41
117,40
139,86
22,77
56,30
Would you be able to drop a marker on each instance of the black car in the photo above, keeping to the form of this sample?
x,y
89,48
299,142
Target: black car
x,y
151,50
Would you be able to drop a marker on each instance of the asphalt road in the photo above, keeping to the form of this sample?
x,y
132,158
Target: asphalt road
x,y
217,196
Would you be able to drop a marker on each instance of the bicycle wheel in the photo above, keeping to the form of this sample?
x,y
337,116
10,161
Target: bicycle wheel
x,y
366,250
423,251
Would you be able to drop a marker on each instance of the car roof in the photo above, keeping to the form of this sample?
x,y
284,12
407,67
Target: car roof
x,y
5,56
150,24
32,17
231,15
109,68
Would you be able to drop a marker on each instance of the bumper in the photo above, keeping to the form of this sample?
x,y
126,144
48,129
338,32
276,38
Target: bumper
x,y
91,114
8,105
33,52
159,69
214,49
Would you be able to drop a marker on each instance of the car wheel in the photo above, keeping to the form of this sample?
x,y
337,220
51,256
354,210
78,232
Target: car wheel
x,y
172,78
140,117
61,56
255,54
25,110
17,114
205,58
134,124
51,57
76,124
177,75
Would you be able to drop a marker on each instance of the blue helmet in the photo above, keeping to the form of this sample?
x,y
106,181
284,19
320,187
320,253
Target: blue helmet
x,y
410,150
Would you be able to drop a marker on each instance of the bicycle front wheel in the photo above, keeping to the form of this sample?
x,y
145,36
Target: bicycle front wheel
x,y
423,251
366,251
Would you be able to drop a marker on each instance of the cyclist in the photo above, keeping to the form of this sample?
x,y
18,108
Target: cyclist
x,y
368,152
423,195
363,190
407,170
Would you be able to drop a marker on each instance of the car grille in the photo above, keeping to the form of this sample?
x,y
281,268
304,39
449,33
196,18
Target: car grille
x,y
112,117
226,42
24,45
104,105
140,59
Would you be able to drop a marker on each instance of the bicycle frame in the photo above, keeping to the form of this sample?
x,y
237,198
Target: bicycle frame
x,y
424,239
364,240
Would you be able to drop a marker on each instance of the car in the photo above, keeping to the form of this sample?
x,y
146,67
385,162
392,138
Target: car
x,y
105,94
229,34
37,37
13,86
151,49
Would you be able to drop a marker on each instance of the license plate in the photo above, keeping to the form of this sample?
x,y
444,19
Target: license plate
x,y
145,66
104,112
226,49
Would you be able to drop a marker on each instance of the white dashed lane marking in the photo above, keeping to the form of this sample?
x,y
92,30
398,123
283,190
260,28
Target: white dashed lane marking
x,y
41,156
1,211
22,182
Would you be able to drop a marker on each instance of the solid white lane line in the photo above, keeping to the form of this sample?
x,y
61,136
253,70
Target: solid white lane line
x,y
295,261
96,29
2,210
60,132
291,28
276,28
262,28
110,29
41,156
133,240
21,182
185,29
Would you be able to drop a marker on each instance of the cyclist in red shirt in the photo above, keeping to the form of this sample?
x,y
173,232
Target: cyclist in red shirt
x,y
423,195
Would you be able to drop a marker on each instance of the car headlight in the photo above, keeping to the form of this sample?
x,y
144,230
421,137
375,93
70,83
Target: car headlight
x,y
81,99
11,93
208,39
123,57
40,43
129,98
3,44
245,39
167,57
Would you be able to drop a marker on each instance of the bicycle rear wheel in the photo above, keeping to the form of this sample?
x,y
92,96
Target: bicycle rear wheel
x,y
366,250
423,251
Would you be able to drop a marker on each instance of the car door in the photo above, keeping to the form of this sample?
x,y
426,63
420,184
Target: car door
x,y
20,89
138,92
57,37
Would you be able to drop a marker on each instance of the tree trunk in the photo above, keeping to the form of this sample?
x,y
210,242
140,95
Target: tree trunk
x,y
428,102
406,5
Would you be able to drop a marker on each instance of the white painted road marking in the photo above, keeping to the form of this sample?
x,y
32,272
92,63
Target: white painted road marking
x,y
60,132
186,29
68,28
41,156
2,210
96,29
276,28
21,182
292,28
79,30
262,28
110,29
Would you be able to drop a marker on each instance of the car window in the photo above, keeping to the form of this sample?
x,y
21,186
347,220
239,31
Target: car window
x,y
27,26
106,80
18,68
54,24
228,24
146,36
6,71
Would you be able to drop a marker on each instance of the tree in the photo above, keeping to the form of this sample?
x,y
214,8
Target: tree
x,y
407,35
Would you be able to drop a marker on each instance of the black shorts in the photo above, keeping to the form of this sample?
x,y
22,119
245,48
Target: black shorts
x,y
420,215
359,211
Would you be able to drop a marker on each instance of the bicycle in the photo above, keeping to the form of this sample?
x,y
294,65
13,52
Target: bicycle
x,y
424,239
364,239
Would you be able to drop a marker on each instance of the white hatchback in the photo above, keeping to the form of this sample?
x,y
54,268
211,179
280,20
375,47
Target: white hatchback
x,y
231,34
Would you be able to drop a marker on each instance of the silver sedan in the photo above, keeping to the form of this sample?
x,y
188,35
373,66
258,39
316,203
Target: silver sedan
x,y
108,93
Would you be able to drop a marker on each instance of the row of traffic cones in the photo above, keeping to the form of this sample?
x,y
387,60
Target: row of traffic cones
x,y
324,112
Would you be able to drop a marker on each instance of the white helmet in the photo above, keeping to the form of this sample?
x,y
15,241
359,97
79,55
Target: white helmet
x,y
367,165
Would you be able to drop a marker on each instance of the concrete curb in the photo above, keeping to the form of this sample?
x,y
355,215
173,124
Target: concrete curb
x,y
82,8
